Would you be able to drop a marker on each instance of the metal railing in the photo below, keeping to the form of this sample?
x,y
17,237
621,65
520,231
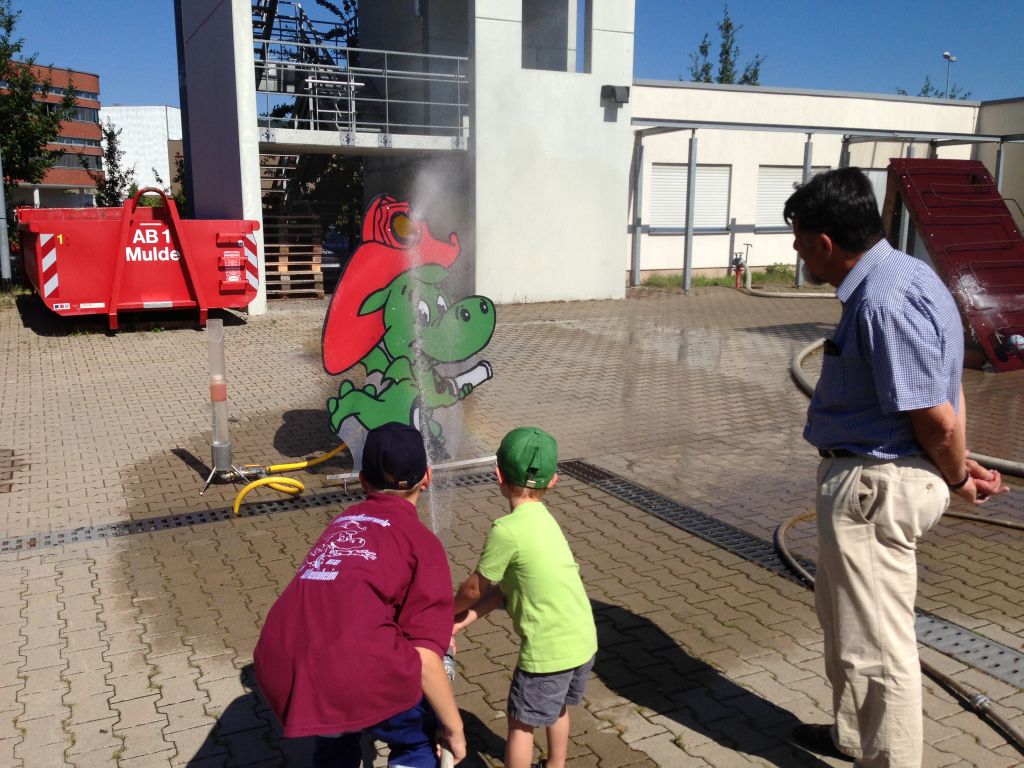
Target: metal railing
x,y
308,80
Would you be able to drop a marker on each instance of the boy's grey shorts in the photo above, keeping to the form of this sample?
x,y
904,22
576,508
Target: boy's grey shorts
x,y
537,698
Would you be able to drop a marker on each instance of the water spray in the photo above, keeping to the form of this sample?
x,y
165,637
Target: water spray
x,y
345,478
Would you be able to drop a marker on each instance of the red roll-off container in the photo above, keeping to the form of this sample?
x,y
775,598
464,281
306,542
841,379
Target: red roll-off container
x,y
88,261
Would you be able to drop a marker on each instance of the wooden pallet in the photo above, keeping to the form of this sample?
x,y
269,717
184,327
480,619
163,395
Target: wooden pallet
x,y
291,285
293,252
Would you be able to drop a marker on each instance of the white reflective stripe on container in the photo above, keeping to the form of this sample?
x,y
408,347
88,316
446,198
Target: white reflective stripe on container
x,y
157,304
252,262
48,250
49,260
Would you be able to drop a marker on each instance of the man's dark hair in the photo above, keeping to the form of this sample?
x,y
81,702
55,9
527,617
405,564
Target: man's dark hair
x,y
840,204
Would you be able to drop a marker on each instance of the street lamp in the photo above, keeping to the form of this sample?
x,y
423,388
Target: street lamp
x,y
950,58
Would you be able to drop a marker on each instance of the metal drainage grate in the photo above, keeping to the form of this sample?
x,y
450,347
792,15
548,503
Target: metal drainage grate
x,y
35,541
685,518
1000,661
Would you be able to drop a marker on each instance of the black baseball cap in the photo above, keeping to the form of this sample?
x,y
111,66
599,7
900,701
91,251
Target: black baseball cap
x,y
394,457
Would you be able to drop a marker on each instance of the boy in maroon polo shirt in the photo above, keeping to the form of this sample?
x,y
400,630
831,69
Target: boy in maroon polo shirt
x,y
354,643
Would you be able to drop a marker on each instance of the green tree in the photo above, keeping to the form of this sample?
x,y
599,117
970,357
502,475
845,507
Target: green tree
x,y
728,57
114,183
178,184
155,201
26,125
928,90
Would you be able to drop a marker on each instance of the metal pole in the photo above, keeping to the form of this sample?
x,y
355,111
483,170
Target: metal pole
x,y
691,177
1000,157
732,245
950,58
905,214
5,246
844,153
638,190
808,158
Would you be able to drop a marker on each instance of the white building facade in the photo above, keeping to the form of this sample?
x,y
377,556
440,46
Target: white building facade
x,y
750,147
553,150
150,135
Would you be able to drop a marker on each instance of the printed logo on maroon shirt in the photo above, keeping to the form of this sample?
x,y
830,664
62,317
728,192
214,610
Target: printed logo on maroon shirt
x,y
341,539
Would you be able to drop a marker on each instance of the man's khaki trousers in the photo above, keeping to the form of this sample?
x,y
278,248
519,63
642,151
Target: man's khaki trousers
x,y
870,517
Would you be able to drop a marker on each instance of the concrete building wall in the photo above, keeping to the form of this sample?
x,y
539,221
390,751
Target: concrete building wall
x,y
145,135
437,185
744,152
1002,118
550,160
223,136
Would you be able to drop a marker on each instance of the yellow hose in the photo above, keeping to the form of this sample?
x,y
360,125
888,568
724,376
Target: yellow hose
x,y
308,462
283,484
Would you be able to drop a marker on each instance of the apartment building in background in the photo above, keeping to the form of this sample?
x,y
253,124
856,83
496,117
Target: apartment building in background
x,y
68,184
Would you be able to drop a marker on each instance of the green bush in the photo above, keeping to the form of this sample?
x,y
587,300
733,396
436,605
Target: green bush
x,y
676,281
777,273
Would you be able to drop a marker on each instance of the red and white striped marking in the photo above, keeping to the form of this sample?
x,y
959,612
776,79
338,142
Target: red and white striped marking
x,y
252,264
48,251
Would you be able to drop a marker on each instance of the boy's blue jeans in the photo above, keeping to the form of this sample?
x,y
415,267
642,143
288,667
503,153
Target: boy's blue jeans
x,y
409,735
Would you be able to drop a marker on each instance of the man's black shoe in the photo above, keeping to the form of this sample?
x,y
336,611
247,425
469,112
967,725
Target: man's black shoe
x,y
818,739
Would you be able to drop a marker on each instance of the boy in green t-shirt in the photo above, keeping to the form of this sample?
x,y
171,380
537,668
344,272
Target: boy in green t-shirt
x,y
527,563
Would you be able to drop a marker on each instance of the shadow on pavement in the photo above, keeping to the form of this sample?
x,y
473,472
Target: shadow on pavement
x,y
793,331
193,462
304,433
247,733
641,662
481,741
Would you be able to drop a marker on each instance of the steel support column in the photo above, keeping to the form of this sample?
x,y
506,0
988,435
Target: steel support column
x,y
691,179
905,214
638,189
1000,157
808,164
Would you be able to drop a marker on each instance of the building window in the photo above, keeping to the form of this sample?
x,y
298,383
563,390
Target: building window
x,y
77,142
667,208
55,91
86,115
78,162
553,39
78,114
775,183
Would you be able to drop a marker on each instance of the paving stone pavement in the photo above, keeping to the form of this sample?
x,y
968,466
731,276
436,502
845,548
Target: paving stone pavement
x,y
136,650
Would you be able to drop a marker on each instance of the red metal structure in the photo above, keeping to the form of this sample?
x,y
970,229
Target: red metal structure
x,y
88,261
962,221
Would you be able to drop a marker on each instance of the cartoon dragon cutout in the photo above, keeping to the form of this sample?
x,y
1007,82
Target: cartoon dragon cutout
x,y
389,314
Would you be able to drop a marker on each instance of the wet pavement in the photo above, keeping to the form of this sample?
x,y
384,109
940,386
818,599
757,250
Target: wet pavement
x,y
135,649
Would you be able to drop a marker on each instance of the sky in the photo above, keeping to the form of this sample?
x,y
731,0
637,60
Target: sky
x,y
873,46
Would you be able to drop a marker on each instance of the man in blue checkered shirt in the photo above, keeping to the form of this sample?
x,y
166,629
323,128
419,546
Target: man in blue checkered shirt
x,y
888,418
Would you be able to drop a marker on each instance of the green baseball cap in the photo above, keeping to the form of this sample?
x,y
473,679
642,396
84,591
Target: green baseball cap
x,y
528,457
